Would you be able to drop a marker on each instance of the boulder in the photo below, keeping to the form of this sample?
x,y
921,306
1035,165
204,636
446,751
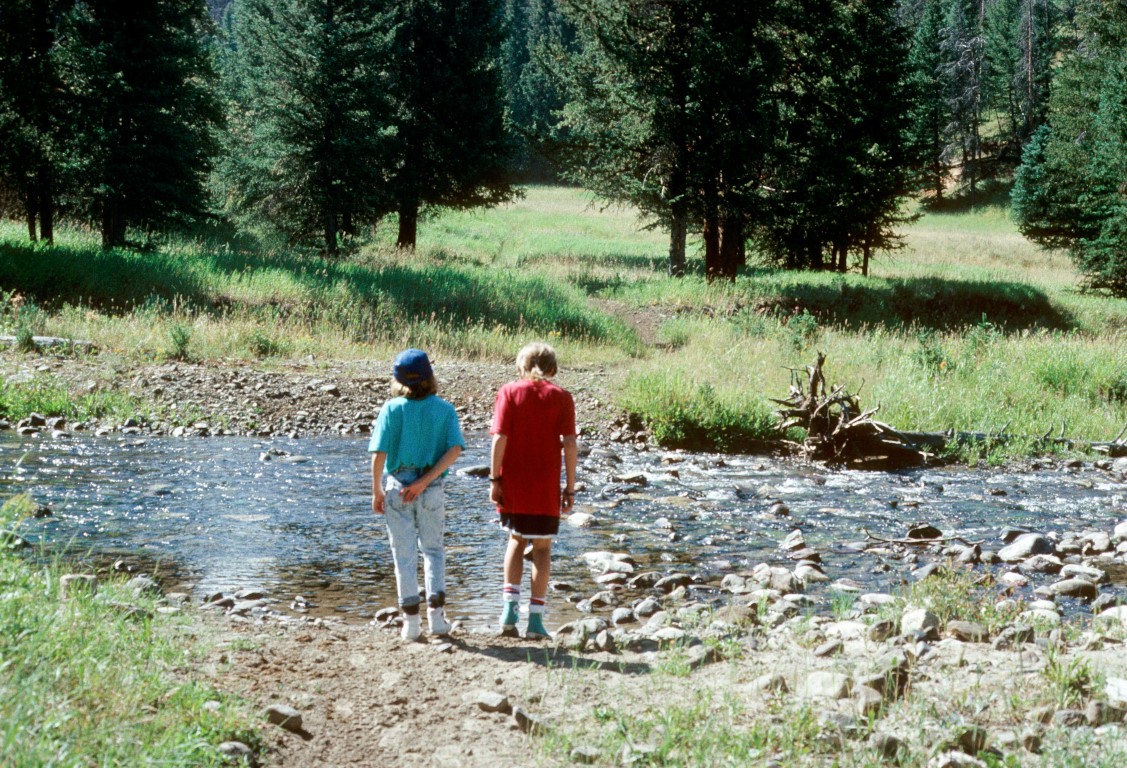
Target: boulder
x,y
1025,546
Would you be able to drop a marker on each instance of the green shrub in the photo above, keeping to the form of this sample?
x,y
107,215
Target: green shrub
x,y
802,330
25,339
930,355
262,345
681,414
179,337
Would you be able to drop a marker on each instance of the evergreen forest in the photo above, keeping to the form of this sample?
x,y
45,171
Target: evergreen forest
x,y
790,133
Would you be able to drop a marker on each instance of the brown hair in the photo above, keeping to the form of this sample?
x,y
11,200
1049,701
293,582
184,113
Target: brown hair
x,y
417,391
536,361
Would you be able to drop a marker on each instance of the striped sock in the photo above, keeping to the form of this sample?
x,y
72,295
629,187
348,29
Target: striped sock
x,y
537,605
511,593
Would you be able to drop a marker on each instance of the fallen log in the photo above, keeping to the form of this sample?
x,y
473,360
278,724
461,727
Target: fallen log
x,y
839,431
920,542
45,342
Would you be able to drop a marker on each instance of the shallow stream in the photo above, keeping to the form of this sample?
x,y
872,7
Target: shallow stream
x,y
215,516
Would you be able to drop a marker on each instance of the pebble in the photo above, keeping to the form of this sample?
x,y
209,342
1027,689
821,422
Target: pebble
x,y
285,717
491,701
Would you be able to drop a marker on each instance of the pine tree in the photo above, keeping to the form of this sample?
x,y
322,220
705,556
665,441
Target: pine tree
x,y
34,108
929,114
842,172
146,112
307,83
964,76
448,144
1069,191
672,108
532,100
1019,39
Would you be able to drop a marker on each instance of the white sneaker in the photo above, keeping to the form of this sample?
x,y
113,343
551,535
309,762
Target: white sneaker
x,y
436,620
412,628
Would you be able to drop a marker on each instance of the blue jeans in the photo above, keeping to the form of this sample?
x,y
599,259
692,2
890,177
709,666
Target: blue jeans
x,y
415,525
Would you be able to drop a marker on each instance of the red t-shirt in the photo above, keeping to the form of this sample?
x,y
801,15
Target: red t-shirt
x,y
533,415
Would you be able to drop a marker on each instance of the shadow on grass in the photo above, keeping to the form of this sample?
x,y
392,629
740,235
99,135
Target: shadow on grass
x,y
109,280
990,193
933,303
346,292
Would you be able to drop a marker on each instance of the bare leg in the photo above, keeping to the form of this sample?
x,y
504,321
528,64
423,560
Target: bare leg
x,y
513,572
514,561
541,566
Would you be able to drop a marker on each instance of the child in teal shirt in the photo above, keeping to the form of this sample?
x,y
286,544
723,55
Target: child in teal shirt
x,y
415,440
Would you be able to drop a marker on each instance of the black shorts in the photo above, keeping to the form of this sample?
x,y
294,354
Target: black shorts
x,y
531,526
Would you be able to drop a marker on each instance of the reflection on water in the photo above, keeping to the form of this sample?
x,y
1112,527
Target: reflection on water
x,y
222,519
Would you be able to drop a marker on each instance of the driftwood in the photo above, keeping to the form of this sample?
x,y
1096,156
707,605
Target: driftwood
x,y
920,542
937,441
839,431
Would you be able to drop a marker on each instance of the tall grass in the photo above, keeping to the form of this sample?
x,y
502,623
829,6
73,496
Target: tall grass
x,y
969,327
18,399
84,680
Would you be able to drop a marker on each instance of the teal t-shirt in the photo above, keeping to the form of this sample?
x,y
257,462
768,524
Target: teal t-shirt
x,y
415,433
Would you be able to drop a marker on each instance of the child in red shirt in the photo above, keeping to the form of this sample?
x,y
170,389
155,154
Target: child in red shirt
x,y
533,424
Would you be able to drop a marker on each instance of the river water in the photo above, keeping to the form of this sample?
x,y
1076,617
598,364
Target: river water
x,y
214,516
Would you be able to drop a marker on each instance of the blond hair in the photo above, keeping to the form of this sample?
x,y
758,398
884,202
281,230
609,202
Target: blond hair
x,y
417,391
536,361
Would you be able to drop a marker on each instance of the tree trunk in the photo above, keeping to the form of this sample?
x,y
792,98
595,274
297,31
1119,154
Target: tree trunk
x,y
113,227
814,251
408,224
732,255
678,177
330,231
31,201
678,233
713,266
46,197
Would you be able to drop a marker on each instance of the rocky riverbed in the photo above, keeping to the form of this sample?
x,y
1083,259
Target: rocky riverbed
x,y
291,398
878,678
1003,648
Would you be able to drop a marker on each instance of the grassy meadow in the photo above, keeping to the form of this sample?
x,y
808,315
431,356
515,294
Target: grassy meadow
x,y
97,676
968,327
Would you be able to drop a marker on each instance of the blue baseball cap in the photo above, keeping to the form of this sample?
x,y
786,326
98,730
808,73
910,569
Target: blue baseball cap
x,y
412,367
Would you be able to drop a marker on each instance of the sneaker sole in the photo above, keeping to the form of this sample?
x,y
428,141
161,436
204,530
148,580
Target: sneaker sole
x,y
509,631
536,636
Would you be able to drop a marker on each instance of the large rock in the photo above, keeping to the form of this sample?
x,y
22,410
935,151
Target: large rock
x,y
825,685
968,631
1116,616
1025,546
1041,564
1116,690
918,620
1078,588
1075,570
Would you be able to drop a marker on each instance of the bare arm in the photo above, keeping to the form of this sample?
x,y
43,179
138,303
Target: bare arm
x,y
571,459
496,456
415,489
378,460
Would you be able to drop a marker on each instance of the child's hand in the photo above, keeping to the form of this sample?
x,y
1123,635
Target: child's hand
x,y
414,490
495,494
377,501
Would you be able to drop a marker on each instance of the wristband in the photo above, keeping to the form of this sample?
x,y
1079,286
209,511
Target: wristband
x,y
494,479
